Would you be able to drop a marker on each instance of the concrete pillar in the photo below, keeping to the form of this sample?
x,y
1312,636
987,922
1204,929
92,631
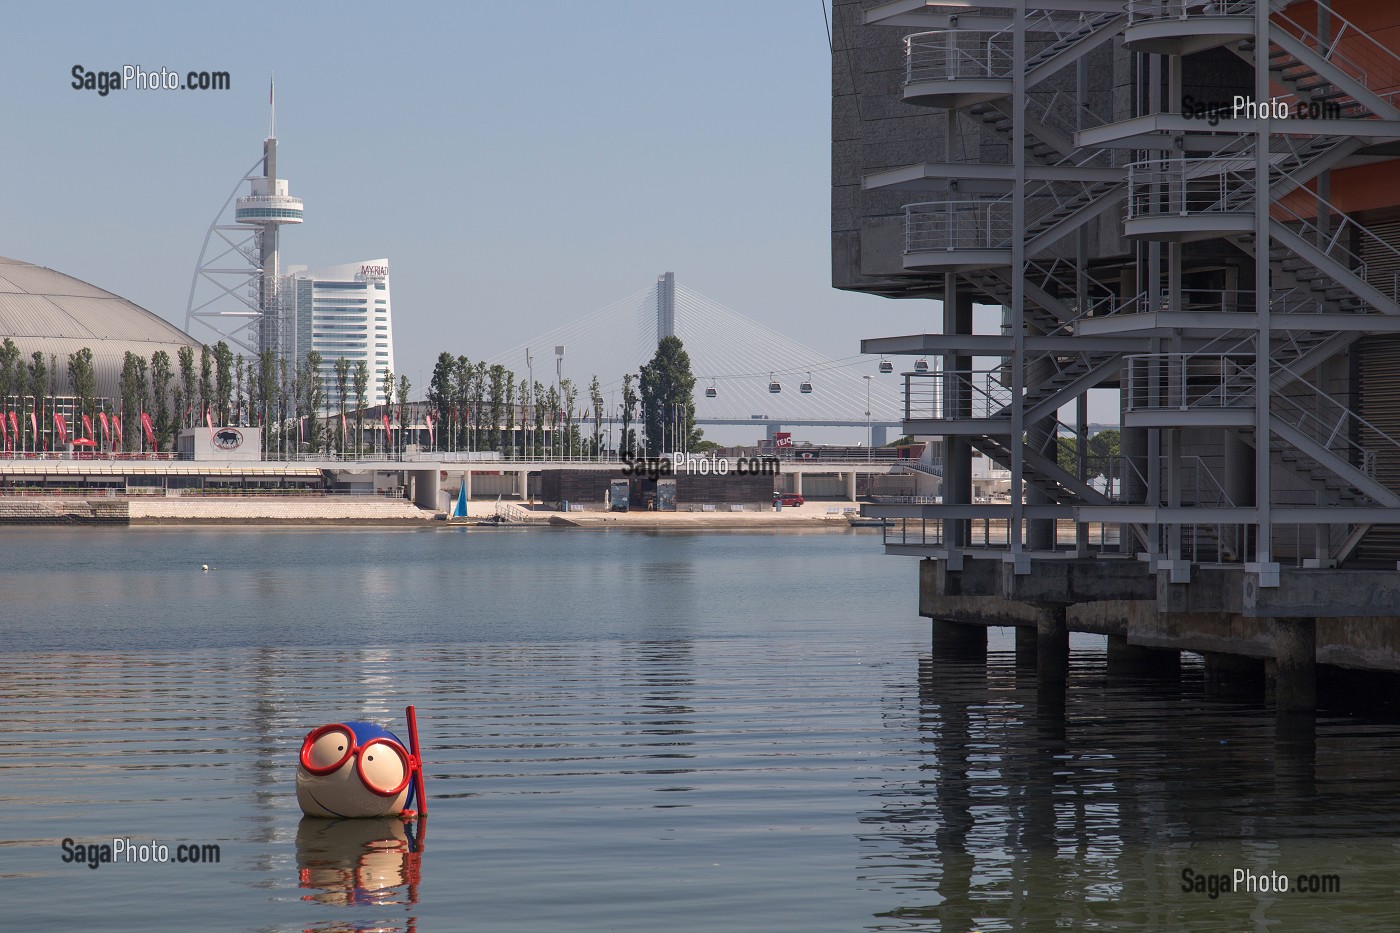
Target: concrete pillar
x,y
467,483
1052,645
1295,665
522,484
851,486
1026,637
797,483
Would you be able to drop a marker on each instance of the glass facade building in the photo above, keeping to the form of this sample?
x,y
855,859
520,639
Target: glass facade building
x,y
344,312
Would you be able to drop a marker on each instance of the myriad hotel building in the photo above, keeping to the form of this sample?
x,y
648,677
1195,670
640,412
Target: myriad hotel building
x,y
345,312
1188,215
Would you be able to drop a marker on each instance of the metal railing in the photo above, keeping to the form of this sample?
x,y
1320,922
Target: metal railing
x,y
1332,424
970,394
950,54
1151,11
1366,60
950,225
1187,381
1334,242
1186,186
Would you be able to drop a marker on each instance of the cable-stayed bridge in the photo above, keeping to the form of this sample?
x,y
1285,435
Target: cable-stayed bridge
x,y
737,363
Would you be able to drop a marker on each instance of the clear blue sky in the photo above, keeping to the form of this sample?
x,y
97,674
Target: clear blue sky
x,y
521,164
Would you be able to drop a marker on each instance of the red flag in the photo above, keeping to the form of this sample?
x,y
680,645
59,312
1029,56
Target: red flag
x,y
344,431
386,425
429,420
117,428
61,426
149,429
209,420
14,427
34,423
87,427
301,430
4,435
106,428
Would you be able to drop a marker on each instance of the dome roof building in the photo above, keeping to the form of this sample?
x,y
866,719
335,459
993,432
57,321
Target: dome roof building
x,y
53,313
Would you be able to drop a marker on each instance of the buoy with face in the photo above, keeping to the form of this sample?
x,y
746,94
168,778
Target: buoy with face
x,y
357,769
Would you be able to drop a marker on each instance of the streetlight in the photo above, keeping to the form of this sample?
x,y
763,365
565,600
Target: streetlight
x,y
559,387
869,431
529,411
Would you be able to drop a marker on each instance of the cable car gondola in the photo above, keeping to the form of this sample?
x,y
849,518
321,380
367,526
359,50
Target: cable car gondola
x,y
807,386
774,386
886,366
921,365
710,390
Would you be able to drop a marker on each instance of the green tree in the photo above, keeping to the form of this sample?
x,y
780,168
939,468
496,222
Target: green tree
x,y
266,393
223,382
1101,454
440,392
668,398
131,400
312,391
496,382
186,410
595,399
206,380
627,442
161,375
361,383
238,365
11,375
82,381
38,372
404,386
342,391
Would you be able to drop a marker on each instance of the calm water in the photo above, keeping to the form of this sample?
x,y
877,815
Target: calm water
x,y
630,731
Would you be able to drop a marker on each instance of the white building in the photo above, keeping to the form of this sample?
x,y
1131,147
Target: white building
x,y
344,312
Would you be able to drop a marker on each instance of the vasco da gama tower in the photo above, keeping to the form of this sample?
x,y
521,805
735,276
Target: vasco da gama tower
x,y
1188,214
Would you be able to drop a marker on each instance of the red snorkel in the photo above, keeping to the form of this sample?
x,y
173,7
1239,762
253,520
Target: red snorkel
x,y
417,761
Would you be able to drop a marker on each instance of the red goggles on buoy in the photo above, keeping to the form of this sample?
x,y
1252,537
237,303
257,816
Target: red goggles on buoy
x,y
384,766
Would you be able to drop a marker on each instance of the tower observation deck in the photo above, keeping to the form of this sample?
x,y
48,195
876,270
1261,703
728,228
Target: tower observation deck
x,y
235,288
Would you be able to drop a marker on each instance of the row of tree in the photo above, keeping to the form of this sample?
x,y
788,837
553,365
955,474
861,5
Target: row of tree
x,y
215,387
483,406
470,406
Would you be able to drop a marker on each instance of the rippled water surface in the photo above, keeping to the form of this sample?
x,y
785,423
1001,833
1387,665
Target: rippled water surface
x,y
630,731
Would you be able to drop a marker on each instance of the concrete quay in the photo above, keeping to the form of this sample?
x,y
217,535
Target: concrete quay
x,y
1272,637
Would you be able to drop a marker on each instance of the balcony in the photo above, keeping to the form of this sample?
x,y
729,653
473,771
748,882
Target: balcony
x,y
1179,389
1190,199
1180,27
941,403
957,235
951,68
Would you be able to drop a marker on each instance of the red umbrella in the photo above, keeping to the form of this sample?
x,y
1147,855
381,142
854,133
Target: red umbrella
x,y
84,442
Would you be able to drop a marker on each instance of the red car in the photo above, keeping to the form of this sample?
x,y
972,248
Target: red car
x,y
788,498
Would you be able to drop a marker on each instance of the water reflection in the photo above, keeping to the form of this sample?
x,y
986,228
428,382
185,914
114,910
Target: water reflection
x,y
1090,809
360,862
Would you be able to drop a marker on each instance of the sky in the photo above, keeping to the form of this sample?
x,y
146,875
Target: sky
x,y
520,164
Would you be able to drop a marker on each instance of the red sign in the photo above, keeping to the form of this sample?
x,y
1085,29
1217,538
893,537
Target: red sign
x,y
782,439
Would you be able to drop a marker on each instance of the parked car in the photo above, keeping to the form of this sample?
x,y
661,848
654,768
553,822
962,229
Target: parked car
x,y
788,498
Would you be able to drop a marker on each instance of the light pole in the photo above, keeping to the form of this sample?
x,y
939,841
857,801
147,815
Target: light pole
x,y
869,431
559,388
529,410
